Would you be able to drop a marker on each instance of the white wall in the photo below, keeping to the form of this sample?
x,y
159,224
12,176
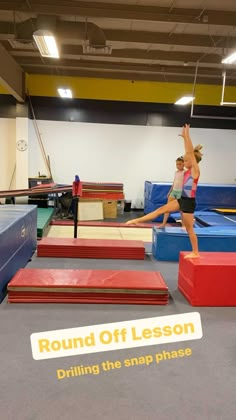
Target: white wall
x,y
127,154
7,152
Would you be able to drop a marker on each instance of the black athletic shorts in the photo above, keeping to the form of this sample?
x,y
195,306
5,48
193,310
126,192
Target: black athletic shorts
x,y
187,204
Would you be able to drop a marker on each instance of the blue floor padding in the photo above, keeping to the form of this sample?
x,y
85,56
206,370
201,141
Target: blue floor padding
x,y
18,240
213,219
176,217
167,243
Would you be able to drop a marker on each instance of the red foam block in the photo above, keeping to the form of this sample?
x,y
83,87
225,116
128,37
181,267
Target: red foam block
x,y
209,280
90,248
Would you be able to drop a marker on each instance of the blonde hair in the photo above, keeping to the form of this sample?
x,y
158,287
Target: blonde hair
x,y
197,153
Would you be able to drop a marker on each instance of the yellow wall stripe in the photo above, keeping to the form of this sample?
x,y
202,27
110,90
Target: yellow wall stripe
x,y
124,90
3,91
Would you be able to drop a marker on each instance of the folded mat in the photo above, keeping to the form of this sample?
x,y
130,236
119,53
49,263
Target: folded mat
x,y
87,286
91,248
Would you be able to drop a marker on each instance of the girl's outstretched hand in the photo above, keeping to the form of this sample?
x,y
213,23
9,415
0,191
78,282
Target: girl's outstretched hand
x,y
182,133
185,131
187,127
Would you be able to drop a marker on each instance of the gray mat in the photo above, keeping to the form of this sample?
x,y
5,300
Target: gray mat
x,y
201,386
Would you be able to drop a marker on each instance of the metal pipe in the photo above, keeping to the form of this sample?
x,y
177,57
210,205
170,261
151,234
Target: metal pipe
x,y
194,85
46,160
211,117
223,88
223,92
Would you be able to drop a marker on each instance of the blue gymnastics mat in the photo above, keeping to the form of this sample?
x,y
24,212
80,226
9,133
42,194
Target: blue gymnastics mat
x,y
18,240
215,219
208,196
167,243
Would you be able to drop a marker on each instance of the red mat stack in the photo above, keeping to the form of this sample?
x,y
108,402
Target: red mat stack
x,y
209,280
103,190
87,286
91,248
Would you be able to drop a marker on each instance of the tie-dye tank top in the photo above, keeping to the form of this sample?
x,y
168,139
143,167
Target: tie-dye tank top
x,y
178,181
189,185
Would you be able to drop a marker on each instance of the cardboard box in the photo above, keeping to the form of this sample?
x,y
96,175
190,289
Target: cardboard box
x,y
110,209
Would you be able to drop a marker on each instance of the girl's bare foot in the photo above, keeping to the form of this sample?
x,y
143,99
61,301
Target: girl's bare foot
x,y
192,255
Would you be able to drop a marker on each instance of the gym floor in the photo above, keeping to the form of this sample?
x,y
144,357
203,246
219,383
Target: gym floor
x,y
198,386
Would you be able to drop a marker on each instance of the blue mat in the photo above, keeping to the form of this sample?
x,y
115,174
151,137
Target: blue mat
x,y
18,240
208,196
213,219
167,243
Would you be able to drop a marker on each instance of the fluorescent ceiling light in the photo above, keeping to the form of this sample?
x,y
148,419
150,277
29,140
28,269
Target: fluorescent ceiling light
x,y
184,100
230,59
46,43
65,93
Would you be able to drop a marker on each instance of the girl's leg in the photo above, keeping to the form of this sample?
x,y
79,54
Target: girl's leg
x,y
167,208
182,223
166,215
188,219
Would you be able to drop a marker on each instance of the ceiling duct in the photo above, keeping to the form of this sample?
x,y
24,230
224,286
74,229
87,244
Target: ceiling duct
x,y
95,35
24,31
47,23
90,34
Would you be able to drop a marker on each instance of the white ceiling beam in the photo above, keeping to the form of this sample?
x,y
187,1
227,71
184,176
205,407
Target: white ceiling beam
x,y
122,11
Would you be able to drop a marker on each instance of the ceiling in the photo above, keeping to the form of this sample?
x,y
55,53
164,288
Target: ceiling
x,y
163,40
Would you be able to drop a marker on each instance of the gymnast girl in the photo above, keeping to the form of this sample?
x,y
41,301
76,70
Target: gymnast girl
x,y
186,203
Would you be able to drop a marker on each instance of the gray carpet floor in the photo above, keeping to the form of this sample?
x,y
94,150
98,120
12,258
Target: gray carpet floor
x,y
199,387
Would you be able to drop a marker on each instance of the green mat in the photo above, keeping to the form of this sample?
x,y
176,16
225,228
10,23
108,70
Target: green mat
x,y
44,217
